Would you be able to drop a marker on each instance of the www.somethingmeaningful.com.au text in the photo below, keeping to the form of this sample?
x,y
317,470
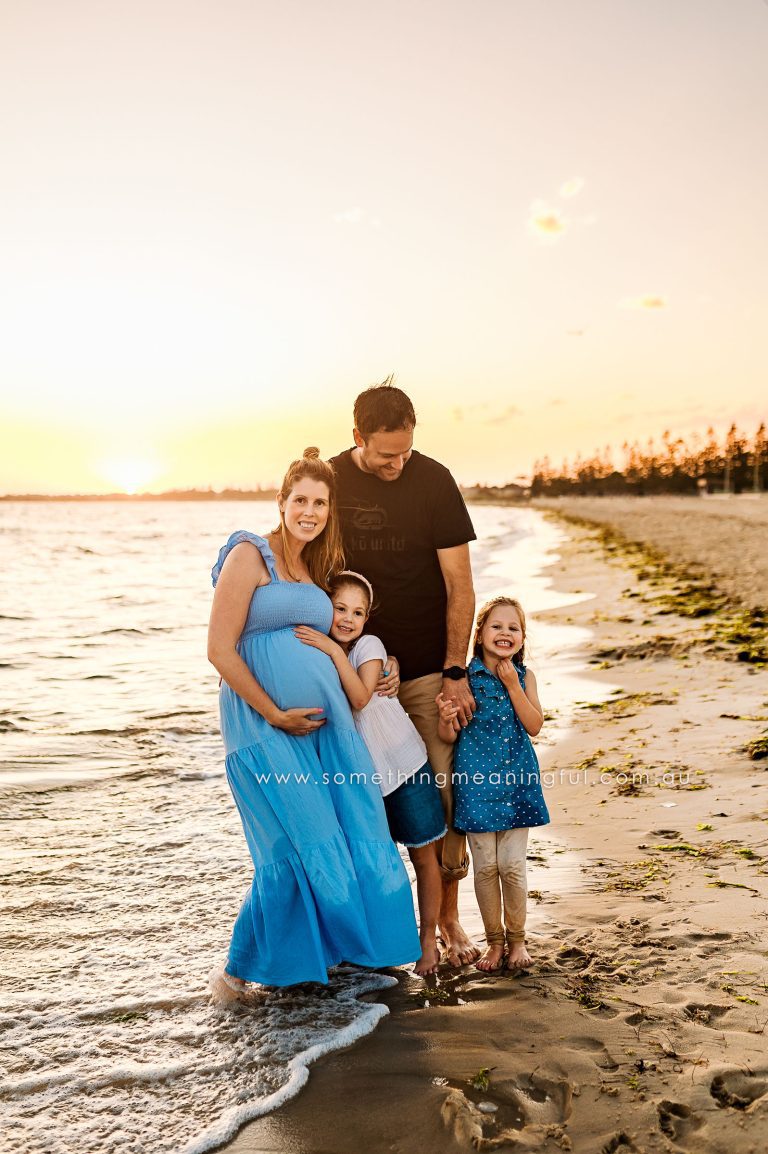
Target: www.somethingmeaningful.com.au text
x,y
548,778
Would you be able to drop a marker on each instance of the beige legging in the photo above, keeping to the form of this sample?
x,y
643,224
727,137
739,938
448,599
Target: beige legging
x,y
500,858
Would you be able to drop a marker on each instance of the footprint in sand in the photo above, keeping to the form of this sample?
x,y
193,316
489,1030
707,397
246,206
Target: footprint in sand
x,y
705,1013
530,1109
676,1120
572,958
540,1099
596,1050
709,943
641,1017
620,1143
739,1089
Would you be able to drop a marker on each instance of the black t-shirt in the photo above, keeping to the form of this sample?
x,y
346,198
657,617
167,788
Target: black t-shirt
x,y
392,531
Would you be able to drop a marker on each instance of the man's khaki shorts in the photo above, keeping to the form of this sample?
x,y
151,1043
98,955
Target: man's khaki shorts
x,y
417,698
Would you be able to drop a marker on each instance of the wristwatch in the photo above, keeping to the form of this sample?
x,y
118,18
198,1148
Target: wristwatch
x,y
455,672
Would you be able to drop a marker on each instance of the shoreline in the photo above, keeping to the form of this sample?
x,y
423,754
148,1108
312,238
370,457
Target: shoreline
x,y
641,1024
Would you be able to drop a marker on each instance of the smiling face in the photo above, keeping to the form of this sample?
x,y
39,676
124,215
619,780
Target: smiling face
x,y
385,454
350,613
305,509
502,634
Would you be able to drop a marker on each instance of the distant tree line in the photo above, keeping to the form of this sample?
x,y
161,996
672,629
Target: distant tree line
x,y
168,495
735,464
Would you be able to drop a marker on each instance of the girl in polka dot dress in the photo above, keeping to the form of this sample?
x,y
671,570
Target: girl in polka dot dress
x,y
496,786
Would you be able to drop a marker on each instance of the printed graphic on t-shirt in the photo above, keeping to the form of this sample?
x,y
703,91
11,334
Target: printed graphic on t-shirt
x,y
367,529
366,516
392,532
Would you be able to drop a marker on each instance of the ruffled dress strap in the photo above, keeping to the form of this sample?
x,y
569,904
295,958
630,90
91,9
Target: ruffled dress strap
x,y
236,538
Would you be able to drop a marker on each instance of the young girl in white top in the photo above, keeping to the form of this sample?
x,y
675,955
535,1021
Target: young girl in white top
x,y
411,797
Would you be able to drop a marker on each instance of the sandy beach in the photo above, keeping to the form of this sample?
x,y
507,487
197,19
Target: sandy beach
x,y
723,538
641,1027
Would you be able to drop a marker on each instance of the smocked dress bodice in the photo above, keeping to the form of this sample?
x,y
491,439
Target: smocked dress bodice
x,y
293,674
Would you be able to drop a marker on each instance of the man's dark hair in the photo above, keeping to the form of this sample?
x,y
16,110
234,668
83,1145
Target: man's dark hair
x,y
383,408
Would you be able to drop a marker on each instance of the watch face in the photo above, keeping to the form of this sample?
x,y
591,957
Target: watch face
x,y
455,673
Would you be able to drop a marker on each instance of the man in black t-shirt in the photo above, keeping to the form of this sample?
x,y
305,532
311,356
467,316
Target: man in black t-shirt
x,y
406,528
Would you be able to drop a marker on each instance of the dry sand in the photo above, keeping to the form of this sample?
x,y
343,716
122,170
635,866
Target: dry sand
x,y
722,536
642,1026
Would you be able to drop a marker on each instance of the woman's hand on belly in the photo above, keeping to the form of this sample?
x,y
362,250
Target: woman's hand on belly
x,y
298,721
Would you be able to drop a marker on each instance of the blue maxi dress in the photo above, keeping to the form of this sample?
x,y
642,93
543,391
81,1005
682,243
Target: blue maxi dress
x,y
328,884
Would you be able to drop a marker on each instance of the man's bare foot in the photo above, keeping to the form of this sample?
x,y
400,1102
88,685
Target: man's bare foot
x,y
519,958
460,950
430,957
491,958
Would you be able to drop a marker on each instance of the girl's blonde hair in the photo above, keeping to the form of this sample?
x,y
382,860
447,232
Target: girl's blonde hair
x,y
482,618
324,555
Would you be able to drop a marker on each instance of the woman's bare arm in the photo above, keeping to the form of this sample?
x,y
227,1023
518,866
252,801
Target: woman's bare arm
x,y
243,572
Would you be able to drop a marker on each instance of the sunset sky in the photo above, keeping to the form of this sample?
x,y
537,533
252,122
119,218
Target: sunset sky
x,y
221,221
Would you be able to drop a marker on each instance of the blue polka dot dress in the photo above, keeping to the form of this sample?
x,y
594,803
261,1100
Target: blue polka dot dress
x,y
496,781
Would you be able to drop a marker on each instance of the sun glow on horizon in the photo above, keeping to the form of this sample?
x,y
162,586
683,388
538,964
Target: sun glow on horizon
x,y
130,474
197,282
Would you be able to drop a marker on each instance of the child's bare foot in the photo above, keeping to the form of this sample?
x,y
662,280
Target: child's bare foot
x,y
430,958
491,958
519,958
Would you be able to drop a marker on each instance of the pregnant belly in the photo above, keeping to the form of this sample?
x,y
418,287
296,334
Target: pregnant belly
x,y
293,674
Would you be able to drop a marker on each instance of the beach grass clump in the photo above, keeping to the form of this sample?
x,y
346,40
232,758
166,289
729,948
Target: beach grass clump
x,y
686,848
482,1079
628,704
642,874
431,995
711,852
590,760
727,988
758,748
746,630
584,990
720,884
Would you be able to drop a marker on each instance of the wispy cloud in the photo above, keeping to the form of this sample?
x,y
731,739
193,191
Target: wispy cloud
x,y
650,302
546,222
506,415
572,187
691,411
356,216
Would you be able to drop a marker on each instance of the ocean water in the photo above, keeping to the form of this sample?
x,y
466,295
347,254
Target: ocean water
x,y
122,860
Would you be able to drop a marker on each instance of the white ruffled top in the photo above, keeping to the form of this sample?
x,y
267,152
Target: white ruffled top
x,y
393,742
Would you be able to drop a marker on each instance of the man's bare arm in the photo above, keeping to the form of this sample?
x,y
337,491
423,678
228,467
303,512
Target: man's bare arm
x,y
457,575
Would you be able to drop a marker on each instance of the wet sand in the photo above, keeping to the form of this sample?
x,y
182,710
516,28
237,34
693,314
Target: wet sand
x,y
642,1026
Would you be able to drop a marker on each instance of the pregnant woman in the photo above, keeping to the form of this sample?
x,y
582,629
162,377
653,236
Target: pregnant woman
x,y
329,885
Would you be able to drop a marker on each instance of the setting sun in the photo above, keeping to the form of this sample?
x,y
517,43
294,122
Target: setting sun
x,y
129,474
